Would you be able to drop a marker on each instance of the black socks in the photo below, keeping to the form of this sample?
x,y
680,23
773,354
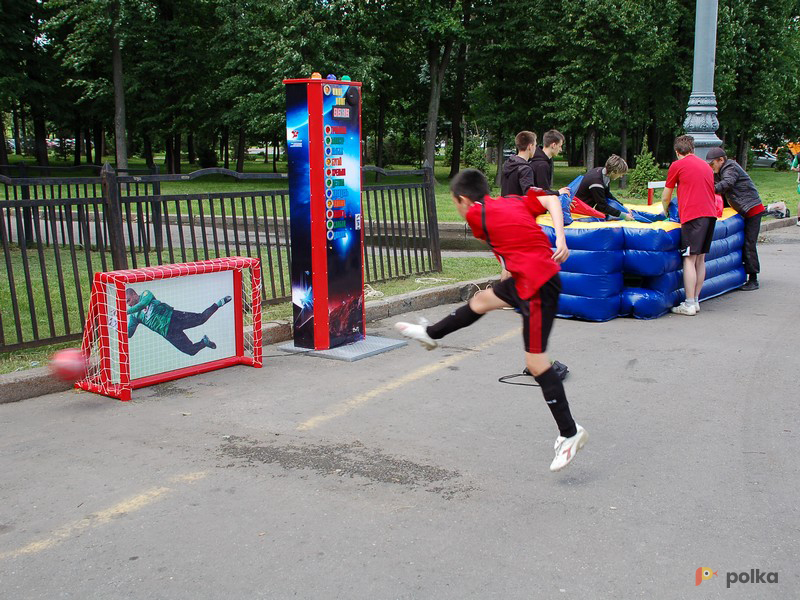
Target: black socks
x,y
458,319
556,398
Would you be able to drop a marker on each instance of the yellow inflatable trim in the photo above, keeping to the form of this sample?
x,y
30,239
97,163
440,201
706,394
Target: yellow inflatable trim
x,y
654,208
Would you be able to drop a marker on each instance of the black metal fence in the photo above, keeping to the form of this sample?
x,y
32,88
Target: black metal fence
x,y
56,232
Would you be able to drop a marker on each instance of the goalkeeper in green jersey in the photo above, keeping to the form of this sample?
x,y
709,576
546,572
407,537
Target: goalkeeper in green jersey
x,y
168,322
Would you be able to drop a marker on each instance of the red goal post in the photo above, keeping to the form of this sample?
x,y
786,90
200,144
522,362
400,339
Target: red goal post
x,y
164,306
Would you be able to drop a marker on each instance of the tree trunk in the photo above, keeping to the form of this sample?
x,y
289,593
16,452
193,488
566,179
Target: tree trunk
x,y
176,155
120,131
591,142
190,149
437,63
275,149
240,152
458,107
457,113
623,182
655,140
99,149
87,144
743,150
169,163
570,149
40,138
76,161
148,151
223,150
24,139
17,141
499,158
381,133
3,151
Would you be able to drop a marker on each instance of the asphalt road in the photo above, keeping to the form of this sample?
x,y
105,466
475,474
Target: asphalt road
x,y
416,474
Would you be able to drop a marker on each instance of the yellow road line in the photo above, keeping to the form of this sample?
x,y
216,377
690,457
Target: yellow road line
x,y
343,408
102,517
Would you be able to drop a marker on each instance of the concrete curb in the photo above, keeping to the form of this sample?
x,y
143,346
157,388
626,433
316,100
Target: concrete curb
x,y
31,383
458,236
778,223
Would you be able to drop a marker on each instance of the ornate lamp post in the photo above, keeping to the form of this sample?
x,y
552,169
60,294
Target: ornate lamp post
x,y
701,114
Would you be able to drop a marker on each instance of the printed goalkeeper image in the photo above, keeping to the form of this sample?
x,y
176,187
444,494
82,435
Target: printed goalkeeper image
x,y
181,322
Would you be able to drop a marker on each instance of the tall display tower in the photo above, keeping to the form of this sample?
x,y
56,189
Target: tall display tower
x,y
323,132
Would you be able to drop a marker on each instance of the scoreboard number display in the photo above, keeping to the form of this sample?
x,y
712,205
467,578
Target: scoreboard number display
x,y
341,112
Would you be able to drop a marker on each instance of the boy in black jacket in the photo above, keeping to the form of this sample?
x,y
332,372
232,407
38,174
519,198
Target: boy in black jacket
x,y
595,186
542,161
517,172
732,182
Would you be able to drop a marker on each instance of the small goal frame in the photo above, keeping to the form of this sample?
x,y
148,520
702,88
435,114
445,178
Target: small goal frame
x,y
101,321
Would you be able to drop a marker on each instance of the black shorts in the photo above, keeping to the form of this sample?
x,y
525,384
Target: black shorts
x,y
538,312
696,235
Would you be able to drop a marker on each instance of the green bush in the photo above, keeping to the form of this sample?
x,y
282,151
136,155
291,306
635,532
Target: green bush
x,y
402,149
207,157
751,157
474,156
784,156
448,152
646,170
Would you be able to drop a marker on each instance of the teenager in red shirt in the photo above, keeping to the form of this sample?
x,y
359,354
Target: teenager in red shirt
x,y
698,213
508,225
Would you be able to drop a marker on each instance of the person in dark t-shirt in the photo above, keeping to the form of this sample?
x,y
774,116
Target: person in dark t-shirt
x,y
517,175
542,161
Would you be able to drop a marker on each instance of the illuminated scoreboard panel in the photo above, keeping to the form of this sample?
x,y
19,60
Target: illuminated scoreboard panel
x,y
341,112
325,194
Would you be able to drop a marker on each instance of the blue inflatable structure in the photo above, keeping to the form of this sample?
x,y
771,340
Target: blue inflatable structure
x,y
620,268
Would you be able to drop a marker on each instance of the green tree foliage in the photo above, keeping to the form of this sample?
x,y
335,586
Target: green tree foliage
x,y
617,64
212,70
784,157
646,170
474,154
504,66
757,80
17,35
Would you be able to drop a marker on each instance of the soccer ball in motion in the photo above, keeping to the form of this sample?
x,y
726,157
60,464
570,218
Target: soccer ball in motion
x,y
69,364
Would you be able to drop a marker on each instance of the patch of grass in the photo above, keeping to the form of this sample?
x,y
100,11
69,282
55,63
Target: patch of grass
x,y
453,271
776,186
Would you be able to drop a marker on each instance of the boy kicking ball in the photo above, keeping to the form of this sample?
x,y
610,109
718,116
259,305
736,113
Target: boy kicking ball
x,y
508,225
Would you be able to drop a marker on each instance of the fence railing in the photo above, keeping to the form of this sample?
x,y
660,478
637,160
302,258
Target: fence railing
x,y
56,232
24,170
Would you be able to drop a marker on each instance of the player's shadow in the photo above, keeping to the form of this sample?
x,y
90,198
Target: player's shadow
x,y
88,402
576,478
